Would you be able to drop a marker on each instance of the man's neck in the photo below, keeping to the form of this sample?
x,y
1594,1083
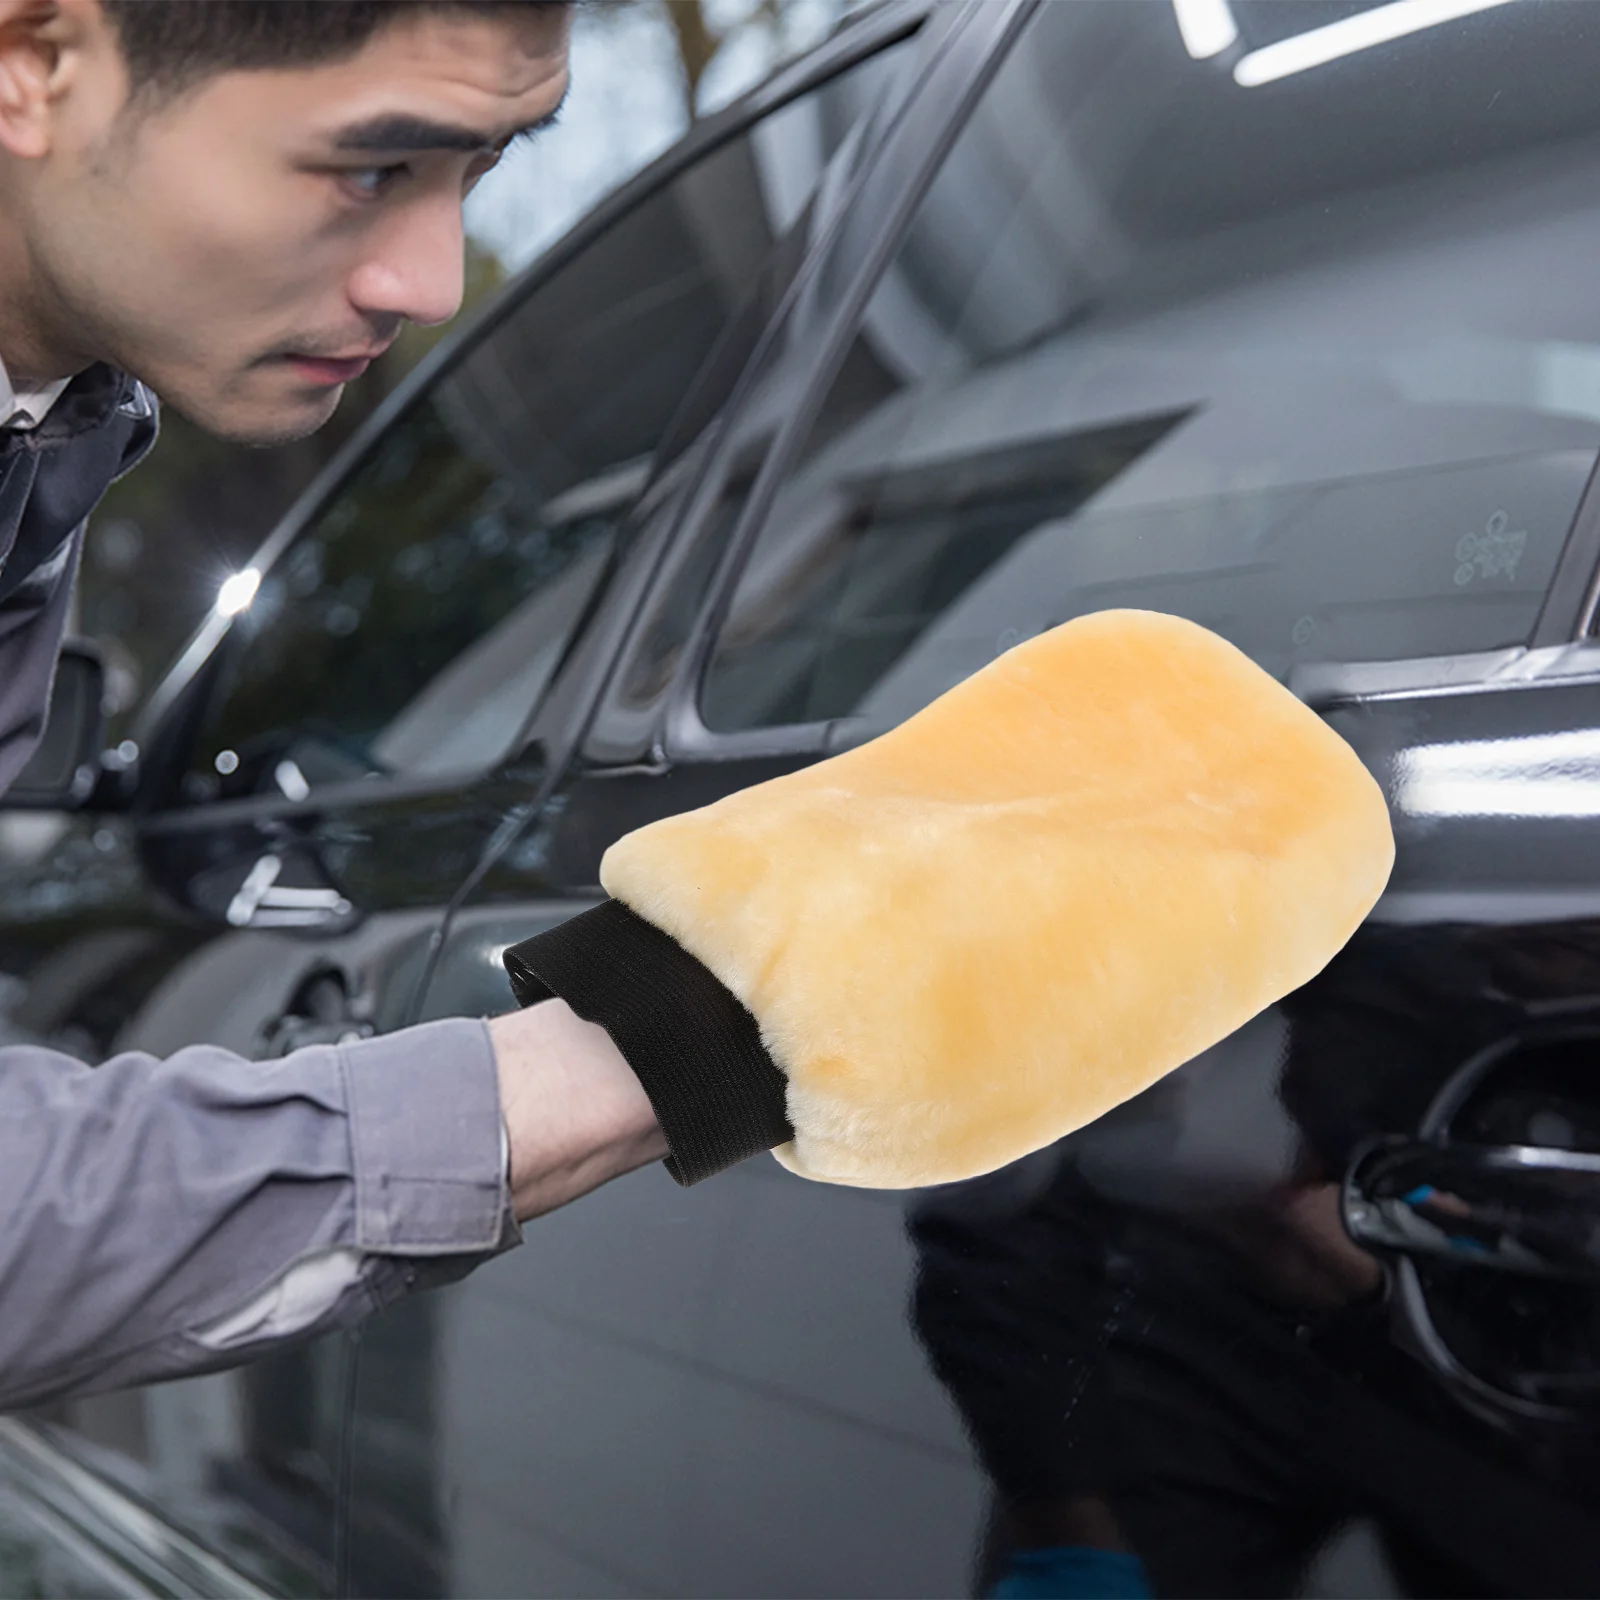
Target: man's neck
x,y
27,364
32,354
34,369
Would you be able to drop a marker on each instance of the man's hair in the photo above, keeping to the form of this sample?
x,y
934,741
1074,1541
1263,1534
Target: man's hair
x,y
172,45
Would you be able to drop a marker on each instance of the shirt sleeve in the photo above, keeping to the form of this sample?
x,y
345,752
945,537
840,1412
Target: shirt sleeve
x,y
307,1291
153,1213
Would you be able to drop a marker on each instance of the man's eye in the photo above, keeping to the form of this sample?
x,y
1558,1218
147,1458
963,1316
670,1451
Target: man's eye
x,y
479,169
372,181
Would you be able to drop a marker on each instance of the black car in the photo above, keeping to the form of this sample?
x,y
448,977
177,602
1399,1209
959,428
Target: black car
x,y
987,314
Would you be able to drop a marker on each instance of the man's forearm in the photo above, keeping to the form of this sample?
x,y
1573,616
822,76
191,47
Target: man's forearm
x,y
152,1212
149,1209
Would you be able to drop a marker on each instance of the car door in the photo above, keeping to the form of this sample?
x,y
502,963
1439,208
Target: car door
x,y
1302,357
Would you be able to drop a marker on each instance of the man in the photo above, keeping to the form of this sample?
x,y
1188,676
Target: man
x,y
238,203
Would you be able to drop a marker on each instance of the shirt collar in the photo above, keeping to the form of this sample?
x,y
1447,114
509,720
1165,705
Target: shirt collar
x,y
27,408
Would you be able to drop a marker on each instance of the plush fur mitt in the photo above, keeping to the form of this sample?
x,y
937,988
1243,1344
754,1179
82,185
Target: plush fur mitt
x,y
949,947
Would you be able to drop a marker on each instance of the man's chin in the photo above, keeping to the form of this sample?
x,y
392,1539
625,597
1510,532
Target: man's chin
x,y
261,425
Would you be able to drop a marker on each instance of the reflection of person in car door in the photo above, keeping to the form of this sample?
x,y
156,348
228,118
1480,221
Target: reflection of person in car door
x,y
242,203
1193,1401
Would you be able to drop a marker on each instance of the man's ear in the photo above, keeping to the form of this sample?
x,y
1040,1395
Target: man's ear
x,y
42,44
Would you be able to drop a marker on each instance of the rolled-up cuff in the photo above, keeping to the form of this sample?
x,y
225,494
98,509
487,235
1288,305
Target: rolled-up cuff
x,y
716,1092
425,1136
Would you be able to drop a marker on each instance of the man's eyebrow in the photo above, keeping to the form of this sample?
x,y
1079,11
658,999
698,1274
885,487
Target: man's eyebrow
x,y
399,132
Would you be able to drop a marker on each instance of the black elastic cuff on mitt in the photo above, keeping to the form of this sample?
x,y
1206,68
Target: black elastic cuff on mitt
x,y
717,1094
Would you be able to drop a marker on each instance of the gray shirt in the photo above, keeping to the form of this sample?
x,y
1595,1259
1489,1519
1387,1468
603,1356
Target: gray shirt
x,y
167,1217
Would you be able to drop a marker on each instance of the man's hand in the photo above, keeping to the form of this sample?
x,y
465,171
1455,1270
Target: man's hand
x,y
574,1111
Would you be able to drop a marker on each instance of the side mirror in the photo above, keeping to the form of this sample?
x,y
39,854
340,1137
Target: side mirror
x,y
63,770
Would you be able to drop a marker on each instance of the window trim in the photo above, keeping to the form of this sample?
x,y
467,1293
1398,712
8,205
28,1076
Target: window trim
x,y
1325,684
1571,600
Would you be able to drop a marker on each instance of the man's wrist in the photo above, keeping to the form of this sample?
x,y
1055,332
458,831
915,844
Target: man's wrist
x,y
575,1113
717,1092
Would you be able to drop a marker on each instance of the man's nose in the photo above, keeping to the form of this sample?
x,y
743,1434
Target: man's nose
x,y
416,267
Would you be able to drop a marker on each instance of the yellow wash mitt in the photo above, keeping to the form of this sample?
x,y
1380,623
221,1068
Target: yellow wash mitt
x,y
928,956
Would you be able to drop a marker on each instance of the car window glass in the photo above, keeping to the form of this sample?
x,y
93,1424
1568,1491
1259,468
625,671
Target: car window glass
x,y
1315,362
414,626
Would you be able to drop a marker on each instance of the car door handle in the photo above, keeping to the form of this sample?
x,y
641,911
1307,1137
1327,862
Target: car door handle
x,y
1523,1209
262,902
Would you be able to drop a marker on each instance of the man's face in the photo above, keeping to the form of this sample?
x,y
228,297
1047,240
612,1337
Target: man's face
x,y
249,246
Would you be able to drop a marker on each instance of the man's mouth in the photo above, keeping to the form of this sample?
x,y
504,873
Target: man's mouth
x,y
328,370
